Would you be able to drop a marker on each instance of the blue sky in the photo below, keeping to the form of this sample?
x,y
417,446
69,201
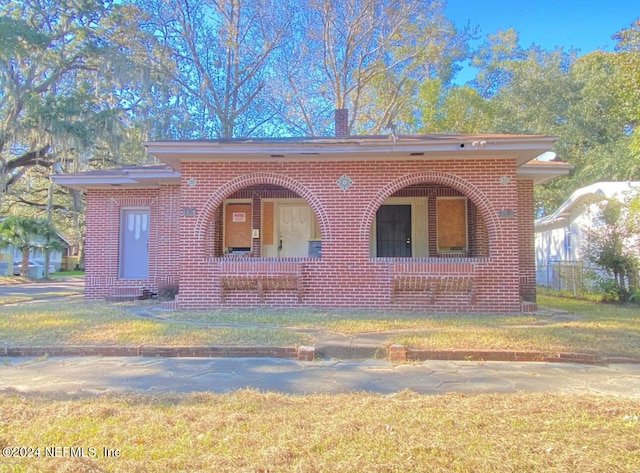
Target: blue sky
x,y
585,25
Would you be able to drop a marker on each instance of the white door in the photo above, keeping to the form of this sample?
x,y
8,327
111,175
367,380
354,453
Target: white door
x,y
134,243
294,230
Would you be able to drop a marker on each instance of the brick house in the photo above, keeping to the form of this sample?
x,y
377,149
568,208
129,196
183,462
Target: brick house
x,y
435,222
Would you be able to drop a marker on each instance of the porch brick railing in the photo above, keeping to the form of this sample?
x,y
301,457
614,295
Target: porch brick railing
x,y
260,275
434,278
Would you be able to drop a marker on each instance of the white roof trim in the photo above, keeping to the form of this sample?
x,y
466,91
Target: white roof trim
x,y
593,193
522,148
127,177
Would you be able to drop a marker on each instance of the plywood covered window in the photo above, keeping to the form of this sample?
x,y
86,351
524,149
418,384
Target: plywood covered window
x,y
451,215
238,219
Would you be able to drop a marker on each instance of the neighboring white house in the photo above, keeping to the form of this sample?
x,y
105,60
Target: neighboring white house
x,y
560,238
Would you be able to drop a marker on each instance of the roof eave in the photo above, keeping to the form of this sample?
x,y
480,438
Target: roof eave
x,y
428,147
135,179
541,172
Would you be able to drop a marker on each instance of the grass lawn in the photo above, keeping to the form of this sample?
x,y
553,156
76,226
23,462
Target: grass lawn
x,y
17,280
78,322
67,274
22,298
248,431
12,280
12,284
586,327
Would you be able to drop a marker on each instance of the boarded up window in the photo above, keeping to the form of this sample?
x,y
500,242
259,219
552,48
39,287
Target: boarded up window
x,y
452,224
237,226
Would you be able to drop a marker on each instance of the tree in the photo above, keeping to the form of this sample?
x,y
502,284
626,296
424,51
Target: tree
x,y
559,94
48,241
29,233
627,81
367,56
223,50
459,109
78,80
71,74
610,247
494,60
633,217
21,233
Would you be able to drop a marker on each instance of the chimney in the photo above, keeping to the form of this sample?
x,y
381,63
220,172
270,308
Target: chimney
x,y
342,122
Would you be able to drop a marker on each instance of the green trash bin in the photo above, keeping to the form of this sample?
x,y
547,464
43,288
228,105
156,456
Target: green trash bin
x,y
36,272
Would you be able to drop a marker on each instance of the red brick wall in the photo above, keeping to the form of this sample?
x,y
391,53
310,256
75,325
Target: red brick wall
x,y
184,234
345,275
103,237
527,258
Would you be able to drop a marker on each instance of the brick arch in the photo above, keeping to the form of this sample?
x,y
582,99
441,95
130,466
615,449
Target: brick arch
x,y
206,217
483,203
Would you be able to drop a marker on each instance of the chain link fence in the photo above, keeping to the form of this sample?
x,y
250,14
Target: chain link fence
x,y
575,277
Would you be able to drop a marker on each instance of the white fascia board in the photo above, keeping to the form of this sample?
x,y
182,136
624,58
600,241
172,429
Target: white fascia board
x,y
523,149
75,179
129,178
541,173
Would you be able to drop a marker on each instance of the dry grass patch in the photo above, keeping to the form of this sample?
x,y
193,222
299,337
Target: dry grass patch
x,y
588,327
267,432
13,280
347,321
22,298
80,322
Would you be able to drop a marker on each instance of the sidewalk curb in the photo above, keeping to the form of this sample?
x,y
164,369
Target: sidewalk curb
x,y
300,353
395,353
399,353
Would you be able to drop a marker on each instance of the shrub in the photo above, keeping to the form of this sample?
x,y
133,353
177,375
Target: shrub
x,y
608,288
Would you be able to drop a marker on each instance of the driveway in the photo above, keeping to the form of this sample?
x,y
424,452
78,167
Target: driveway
x,y
44,290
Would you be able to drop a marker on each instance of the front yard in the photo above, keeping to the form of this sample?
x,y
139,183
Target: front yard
x,y
248,431
270,432
573,325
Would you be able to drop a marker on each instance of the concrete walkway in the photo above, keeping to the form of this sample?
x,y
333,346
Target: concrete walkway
x,y
71,376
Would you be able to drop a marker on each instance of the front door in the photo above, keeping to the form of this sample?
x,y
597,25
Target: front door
x,y
393,231
134,243
294,227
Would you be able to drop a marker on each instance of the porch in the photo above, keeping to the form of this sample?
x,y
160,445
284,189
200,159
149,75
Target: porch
x,y
447,284
426,247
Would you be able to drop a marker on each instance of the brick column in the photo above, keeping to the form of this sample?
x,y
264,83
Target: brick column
x,y
526,241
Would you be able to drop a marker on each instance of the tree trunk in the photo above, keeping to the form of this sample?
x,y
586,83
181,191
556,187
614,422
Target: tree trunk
x,y
47,257
619,277
24,265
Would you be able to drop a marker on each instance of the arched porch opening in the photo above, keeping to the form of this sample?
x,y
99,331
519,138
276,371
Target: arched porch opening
x,y
434,234
262,216
266,221
428,220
